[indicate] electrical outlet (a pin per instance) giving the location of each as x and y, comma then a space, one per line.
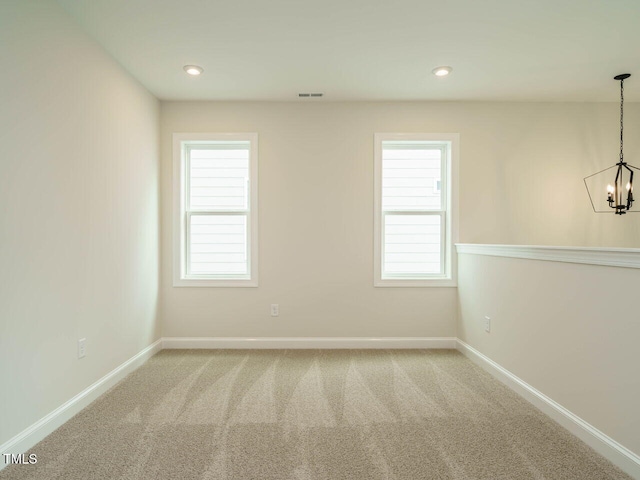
82, 350
487, 324
275, 309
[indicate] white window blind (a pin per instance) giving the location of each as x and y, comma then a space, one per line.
217, 208
412, 245
412, 208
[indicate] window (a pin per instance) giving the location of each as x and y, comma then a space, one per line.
415, 209
215, 210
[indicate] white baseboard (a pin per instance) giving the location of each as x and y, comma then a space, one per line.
617, 454
308, 342
38, 431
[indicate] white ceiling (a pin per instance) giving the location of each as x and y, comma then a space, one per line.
531, 50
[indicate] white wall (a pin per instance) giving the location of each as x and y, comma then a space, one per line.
521, 167
570, 331
522, 170
316, 229
78, 212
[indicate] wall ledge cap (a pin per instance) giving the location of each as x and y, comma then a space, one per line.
605, 256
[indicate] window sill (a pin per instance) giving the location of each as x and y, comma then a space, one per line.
188, 282
436, 282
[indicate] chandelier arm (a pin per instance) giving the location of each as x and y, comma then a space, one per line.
630, 191
589, 193
608, 168
617, 192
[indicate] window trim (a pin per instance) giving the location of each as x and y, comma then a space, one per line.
449, 279
179, 210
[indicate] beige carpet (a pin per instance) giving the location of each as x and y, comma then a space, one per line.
311, 414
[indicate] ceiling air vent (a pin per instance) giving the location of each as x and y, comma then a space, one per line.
307, 95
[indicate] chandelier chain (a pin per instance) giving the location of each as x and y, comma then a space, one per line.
621, 117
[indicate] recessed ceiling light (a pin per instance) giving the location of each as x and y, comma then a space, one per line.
442, 71
193, 69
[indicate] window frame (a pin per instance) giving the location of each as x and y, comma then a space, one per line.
448, 211
181, 216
